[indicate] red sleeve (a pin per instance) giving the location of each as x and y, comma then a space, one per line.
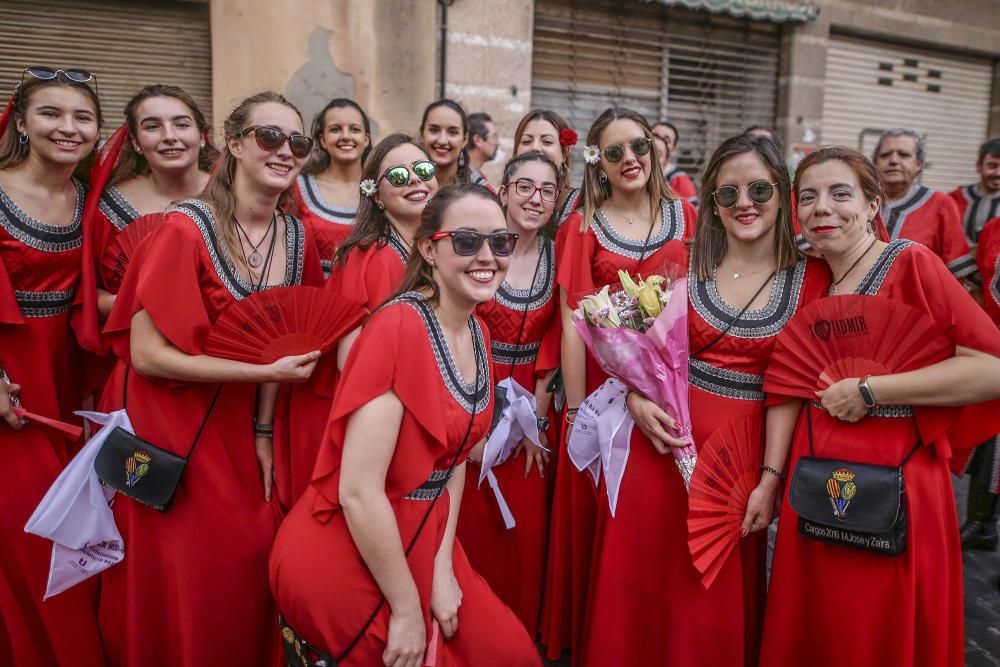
690, 218
10, 312
961, 203
312, 270
550, 346
369, 276
987, 258
575, 260
85, 318
683, 186
954, 245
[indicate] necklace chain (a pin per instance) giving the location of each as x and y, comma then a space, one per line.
833, 287
254, 259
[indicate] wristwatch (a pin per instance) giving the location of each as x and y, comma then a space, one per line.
866, 392
543, 423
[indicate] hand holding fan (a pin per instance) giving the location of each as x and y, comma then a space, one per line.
122, 247
728, 471
282, 321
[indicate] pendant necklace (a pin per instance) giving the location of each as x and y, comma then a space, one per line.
254, 259
739, 274
833, 287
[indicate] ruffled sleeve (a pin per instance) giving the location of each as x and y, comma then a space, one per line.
550, 346
690, 217
368, 276
575, 260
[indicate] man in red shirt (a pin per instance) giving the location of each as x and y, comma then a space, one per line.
678, 179
914, 211
979, 202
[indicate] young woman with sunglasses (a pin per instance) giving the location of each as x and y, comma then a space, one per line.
545, 131
326, 194
746, 279
368, 266
51, 123
629, 220
366, 568
444, 131
913, 609
195, 578
523, 320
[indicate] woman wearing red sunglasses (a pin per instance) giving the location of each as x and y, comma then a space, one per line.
51, 123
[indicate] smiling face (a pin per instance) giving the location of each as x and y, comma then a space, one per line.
632, 172
747, 221
989, 174
529, 214
61, 124
897, 163
833, 210
407, 202
443, 135
344, 136
274, 171
541, 136
167, 134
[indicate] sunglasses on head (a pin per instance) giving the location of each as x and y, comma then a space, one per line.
527, 189
760, 192
614, 153
73, 75
399, 175
466, 242
271, 138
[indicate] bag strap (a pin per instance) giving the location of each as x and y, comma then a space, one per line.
732, 323
812, 451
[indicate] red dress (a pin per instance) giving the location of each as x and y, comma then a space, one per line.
975, 209
513, 561
192, 589
988, 260
931, 218
681, 184
329, 224
588, 260
323, 587
39, 269
826, 602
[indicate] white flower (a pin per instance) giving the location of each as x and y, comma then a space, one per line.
368, 187
599, 310
591, 154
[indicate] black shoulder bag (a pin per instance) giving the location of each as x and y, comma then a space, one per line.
857, 505
139, 469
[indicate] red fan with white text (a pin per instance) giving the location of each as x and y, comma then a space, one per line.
728, 470
122, 247
282, 321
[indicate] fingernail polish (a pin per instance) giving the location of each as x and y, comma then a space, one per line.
743, 532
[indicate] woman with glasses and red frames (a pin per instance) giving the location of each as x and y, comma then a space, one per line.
193, 588
545, 131
523, 321
366, 569
746, 279
326, 194
444, 131
51, 123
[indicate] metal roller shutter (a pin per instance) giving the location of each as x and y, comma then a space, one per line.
872, 86
710, 75
127, 45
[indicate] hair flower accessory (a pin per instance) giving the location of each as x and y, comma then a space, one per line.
591, 154
567, 137
368, 187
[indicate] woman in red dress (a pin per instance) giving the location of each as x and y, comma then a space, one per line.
192, 589
326, 194
366, 567
523, 321
827, 601
51, 125
444, 131
368, 268
629, 221
544, 131
648, 604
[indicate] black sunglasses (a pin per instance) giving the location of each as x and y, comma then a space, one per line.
466, 242
760, 192
72, 75
271, 138
399, 175
615, 152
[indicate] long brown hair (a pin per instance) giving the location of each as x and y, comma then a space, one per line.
560, 124
710, 241
219, 191
595, 191
131, 163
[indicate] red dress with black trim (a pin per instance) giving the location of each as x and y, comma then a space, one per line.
39, 270
827, 601
588, 260
681, 184
329, 224
975, 209
513, 561
988, 260
192, 589
323, 588
931, 218
647, 602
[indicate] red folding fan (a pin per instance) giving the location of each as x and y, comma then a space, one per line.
282, 321
69, 431
122, 247
851, 336
728, 470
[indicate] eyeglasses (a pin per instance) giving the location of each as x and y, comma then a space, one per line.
271, 138
760, 192
466, 242
527, 189
400, 174
44, 73
615, 152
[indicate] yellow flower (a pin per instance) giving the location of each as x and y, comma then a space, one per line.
649, 299
627, 283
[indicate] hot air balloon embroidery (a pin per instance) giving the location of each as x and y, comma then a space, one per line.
841, 489
136, 467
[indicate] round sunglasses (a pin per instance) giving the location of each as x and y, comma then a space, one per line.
43, 73
466, 242
760, 192
271, 138
614, 153
399, 175
526, 189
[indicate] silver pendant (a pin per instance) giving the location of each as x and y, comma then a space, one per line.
255, 259
736, 276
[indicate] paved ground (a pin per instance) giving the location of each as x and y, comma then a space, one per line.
982, 601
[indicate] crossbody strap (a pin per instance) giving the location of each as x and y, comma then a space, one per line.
812, 451
524, 314
739, 316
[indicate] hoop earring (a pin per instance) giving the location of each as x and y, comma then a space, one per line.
23, 139
603, 177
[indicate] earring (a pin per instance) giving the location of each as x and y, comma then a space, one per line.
23, 139
431, 262
603, 177
461, 159
716, 212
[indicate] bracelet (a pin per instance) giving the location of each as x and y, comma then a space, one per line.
774, 471
263, 430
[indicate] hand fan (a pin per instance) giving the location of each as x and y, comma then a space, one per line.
69, 431
851, 336
282, 321
122, 247
728, 470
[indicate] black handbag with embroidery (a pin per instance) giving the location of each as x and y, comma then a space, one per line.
850, 504
139, 469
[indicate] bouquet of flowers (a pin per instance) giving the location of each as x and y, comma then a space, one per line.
637, 332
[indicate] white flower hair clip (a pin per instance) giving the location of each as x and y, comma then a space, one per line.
591, 154
368, 187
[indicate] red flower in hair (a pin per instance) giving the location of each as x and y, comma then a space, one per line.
567, 137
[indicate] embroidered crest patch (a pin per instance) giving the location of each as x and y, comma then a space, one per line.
841, 489
136, 467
